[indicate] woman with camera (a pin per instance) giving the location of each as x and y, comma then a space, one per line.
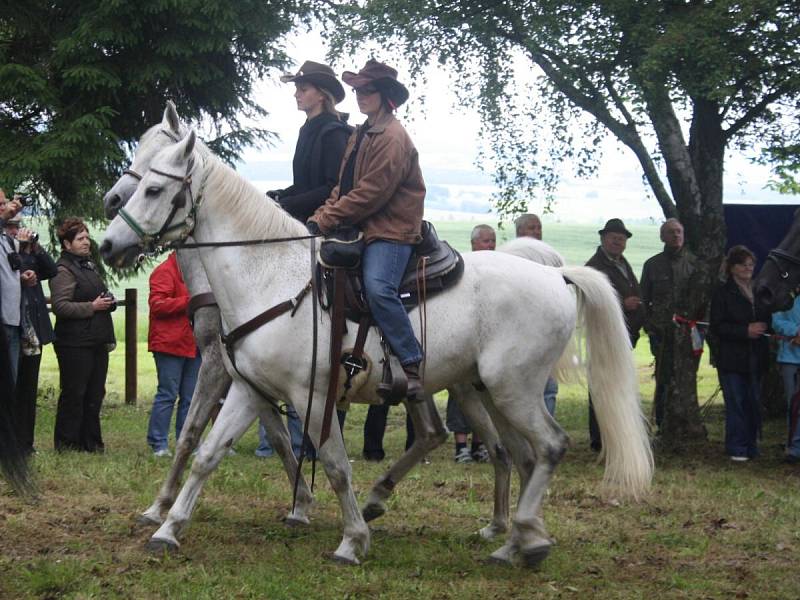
35, 327
84, 337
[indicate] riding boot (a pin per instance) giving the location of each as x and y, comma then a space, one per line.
415, 392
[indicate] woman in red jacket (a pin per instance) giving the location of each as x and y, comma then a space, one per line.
177, 359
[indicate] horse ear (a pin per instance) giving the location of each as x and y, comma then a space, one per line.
189, 141
171, 119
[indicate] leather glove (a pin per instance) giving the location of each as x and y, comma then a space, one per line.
313, 228
274, 194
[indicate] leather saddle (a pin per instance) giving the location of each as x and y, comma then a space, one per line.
434, 267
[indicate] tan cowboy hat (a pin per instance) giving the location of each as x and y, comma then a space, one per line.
382, 76
319, 75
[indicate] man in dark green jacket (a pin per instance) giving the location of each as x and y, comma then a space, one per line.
609, 260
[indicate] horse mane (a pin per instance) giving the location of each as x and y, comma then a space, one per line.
254, 215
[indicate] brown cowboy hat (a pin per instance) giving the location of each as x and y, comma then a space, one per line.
615, 226
382, 76
319, 75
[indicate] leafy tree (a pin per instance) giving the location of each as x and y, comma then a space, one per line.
80, 80
678, 82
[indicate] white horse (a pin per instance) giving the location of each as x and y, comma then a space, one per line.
483, 332
214, 380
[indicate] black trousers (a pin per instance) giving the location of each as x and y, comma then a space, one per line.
25, 400
82, 373
375, 427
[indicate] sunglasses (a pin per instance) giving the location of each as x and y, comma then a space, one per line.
366, 90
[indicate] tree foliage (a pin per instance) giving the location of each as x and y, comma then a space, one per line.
80, 80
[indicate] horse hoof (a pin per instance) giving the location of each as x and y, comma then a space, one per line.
144, 520
350, 561
295, 521
161, 546
372, 512
490, 532
532, 557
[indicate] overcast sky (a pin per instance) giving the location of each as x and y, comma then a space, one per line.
448, 138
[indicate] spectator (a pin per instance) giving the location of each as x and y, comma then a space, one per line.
742, 352
174, 349
610, 261
483, 237
788, 324
666, 279
12, 279
84, 337
36, 330
530, 225
7, 375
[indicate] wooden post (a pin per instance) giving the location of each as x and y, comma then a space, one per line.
131, 311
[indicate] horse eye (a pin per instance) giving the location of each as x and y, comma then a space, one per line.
153, 190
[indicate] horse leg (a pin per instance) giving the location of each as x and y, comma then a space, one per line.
469, 400
237, 414
548, 441
429, 433
281, 442
212, 383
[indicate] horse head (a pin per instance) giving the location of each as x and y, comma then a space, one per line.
162, 207
779, 279
168, 132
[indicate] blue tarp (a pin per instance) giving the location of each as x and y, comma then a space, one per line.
760, 227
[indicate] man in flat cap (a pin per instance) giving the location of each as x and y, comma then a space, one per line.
609, 260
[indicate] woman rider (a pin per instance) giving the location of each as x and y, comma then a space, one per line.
320, 144
315, 167
381, 190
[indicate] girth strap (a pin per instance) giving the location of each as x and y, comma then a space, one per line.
199, 301
337, 332
265, 317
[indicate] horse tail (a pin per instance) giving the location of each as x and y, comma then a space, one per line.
13, 462
613, 383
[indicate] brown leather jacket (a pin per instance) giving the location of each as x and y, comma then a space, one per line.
388, 190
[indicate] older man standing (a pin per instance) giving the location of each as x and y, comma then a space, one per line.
609, 260
666, 278
530, 225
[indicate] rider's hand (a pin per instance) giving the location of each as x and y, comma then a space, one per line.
313, 228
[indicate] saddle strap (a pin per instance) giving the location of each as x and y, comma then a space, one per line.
337, 333
199, 301
265, 317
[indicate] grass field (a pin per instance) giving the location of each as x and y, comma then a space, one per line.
709, 528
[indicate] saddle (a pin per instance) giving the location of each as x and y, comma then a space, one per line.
434, 267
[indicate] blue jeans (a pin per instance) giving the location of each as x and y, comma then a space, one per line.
742, 412
13, 334
177, 376
265, 449
383, 265
550, 393
791, 384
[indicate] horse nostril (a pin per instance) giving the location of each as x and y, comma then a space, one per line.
113, 204
105, 249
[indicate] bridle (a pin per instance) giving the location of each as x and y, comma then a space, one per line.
778, 257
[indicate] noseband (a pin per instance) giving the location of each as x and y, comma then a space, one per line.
777, 256
152, 240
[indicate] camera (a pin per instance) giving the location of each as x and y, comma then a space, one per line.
25, 200
110, 296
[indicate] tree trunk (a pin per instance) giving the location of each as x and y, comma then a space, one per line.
682, 422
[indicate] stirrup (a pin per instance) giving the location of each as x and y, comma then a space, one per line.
394, 384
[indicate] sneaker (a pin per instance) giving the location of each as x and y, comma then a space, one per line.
164, 453
740, 458
463, 456
264, 453
481, 455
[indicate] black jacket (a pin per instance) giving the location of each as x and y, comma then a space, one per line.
73, 289
731, 313
625, 287
317, 158
33, 297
